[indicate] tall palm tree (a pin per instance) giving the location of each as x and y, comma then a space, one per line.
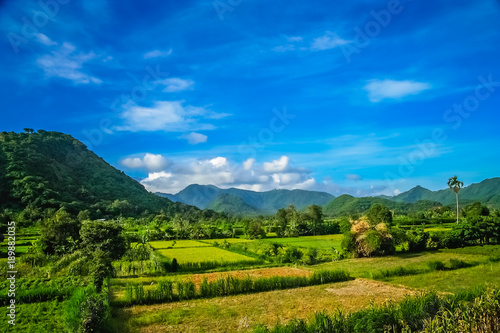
456, 185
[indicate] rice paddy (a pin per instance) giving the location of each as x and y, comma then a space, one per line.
203, 254
318, 242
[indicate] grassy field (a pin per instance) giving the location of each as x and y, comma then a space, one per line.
243, 312
362, 266
44, 317
452, 281
319, 242
203, 253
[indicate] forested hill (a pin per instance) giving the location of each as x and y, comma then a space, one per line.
41, 171
487, 192
347, 205
210, 196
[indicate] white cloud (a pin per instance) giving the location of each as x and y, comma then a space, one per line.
277, 165
157, 54
170, 116
194, 138
219, 162
247, 165
176, 84
221, 172
44, 39
379, 90
67, 63
328, 41
149, 162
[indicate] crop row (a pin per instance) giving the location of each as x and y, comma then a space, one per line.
169, 291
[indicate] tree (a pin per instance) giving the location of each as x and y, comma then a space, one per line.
105, 236
315, 215
379, 214
456, 185
59, 232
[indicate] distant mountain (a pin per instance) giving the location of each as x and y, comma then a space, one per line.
49, 170
348, 205
415, 194
233, 205
487, 192
203, 196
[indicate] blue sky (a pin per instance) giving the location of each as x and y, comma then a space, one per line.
365, 98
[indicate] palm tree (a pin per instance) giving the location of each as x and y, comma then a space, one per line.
456, 185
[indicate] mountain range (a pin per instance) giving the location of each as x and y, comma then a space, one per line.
251, 202
244, 202
41, 171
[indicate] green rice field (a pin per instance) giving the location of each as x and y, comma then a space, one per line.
319, 242
202, 254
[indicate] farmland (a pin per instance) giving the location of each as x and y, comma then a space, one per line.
318, 242
244, 312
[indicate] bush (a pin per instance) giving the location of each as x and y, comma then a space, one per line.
457, 264
417, 240
436, 265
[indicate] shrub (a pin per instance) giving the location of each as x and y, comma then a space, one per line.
417, 240
457, 264
436, 265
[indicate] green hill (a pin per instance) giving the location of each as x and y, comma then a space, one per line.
232, 205
49, 170
348, 205
487, 192
268, 202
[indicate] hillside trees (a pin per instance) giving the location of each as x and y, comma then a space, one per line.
43, 171
59, 233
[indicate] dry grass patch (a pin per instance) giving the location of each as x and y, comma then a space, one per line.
243, 312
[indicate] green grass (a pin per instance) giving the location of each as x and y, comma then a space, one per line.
318, 242
35, 318
418, 261
202, 254
452, 281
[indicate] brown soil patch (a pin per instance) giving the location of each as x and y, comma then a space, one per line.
253, 273
371, 288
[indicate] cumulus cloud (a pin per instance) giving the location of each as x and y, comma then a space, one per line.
222, 172
176, 84
194, 138
67, 63
328, 41
157, 54
379, 90
277, 165
149, 162
170, 116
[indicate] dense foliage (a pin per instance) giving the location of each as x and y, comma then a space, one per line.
41, 172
